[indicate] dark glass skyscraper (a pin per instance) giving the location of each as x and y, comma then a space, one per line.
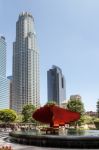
4, 95
56, 85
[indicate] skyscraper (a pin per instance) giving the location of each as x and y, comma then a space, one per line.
4, 95
26, 88
56, 85
10, 79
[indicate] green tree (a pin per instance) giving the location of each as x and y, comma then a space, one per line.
85, 119
7, 115
27, 113
51, 103
19, 118
96, 119
76, 105
97, 106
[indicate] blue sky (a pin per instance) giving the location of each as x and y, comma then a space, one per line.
68, 36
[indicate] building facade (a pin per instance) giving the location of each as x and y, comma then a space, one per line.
75, 97
64, 104
10, 81
56, 85
26, 88
4, 95
92, 113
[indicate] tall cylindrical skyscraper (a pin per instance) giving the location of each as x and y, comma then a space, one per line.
26, 89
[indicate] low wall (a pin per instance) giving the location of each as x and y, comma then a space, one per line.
56, 141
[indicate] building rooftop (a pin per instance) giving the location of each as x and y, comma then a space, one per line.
2, 37
10, 77
25, 14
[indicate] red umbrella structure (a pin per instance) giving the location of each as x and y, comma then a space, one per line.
55, 115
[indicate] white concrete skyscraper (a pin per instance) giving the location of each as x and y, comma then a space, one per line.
26, 88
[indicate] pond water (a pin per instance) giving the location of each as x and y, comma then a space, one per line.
66, 132
67, 138
83, 132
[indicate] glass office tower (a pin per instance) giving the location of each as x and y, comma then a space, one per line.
26, 88
10, 81
56, 85
4, 95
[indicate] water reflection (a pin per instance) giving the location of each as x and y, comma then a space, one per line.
63, 132
74, 132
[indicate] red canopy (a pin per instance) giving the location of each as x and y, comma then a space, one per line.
54, 115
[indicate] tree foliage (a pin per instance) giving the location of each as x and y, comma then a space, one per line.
85, 119
51, 103
7, 115
19, 118
76, 105
27, 112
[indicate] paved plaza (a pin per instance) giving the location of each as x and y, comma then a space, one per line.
4, 141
